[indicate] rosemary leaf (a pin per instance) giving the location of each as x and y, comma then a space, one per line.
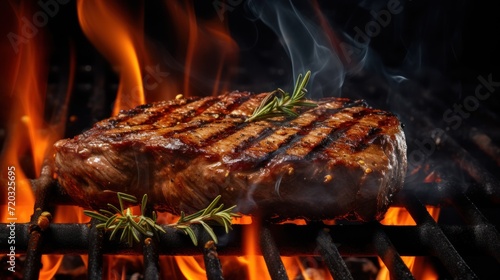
189, 231
115, 230
288, 111
106, 212
95, 215
227, 227
193, 216
125, 233
112, 207
136, 226
127, 197
210, 231
211, 206
151, 223
135, 235
281, 103
110, 221
144, 203
159, 228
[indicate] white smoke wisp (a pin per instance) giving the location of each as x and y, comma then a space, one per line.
305, 42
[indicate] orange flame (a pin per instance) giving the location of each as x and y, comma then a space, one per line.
417, 265
29, 135
210, 50
21, 72
191, 267
116, 36
255, 264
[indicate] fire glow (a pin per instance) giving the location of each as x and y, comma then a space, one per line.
120, 38
27, 74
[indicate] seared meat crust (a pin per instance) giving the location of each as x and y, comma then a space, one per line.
340, 159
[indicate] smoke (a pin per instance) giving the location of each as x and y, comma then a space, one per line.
306, 43
394, 39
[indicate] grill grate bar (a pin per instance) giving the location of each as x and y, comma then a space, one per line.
489, 185
213, 266
291, 240
95, 254
151, 259
33, 256
485, 233
390, 256
331, 256
436, 241
38, 224
271, 254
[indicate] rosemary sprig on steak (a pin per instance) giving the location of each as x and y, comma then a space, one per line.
131, 226
281, 103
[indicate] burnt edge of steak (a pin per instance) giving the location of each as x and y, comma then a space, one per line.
340, 159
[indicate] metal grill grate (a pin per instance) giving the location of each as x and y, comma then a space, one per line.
451, 245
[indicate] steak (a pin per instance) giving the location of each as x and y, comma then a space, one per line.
340, 159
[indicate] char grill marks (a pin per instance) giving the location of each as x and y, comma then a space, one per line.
215, 126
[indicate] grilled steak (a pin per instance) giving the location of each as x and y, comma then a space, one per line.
340, 159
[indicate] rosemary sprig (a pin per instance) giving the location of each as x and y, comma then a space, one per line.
129, 227
213, 214
281, 103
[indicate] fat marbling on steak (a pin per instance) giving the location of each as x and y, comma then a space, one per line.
340, 159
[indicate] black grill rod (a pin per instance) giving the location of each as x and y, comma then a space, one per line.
436, 241
271, 254
95, 253
33, 257
490, 186
213, 267
39, 221
485, 233
150, 251
390, 256
151, 258
356, 240
331, 256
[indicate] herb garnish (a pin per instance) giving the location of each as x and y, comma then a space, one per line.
131, 226
280, 103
